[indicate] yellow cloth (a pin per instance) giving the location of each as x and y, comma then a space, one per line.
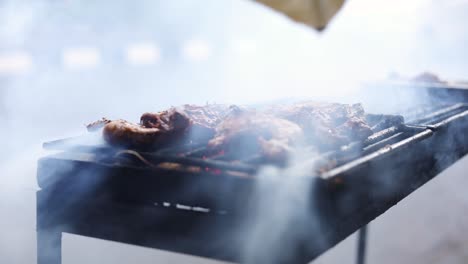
315, 13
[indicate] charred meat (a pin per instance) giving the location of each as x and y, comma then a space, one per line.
242, 132
185, 123
327, 125
122, 133
248, 132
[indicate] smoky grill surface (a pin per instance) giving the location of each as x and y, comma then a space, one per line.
197, 195
239, 134
324, 125
199, 158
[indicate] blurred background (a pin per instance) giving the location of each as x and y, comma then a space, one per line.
66, 63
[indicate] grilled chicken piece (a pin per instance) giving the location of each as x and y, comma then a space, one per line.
186, 123
129, 135
245, 133
327, 125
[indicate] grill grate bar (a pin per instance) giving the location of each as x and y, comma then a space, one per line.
440, 114
376, 137
398, 146
379, 154
382, 143
182, 149
450, 119
212, 164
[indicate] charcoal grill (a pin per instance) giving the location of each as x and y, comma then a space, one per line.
178, 200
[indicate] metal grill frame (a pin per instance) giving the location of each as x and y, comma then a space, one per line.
206, 221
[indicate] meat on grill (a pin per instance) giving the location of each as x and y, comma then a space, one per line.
186, 123
244, 132
379, 122
327, 125
427, 77
126, 134
247, 132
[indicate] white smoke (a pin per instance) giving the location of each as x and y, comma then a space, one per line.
283, 214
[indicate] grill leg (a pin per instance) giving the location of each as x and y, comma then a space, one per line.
361, 246
49, 247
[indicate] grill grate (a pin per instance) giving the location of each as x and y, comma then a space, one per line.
383, 142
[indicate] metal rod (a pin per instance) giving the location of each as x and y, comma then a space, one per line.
387, 141
442, 113
361, 245
154, 158
376, 137
379, 154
